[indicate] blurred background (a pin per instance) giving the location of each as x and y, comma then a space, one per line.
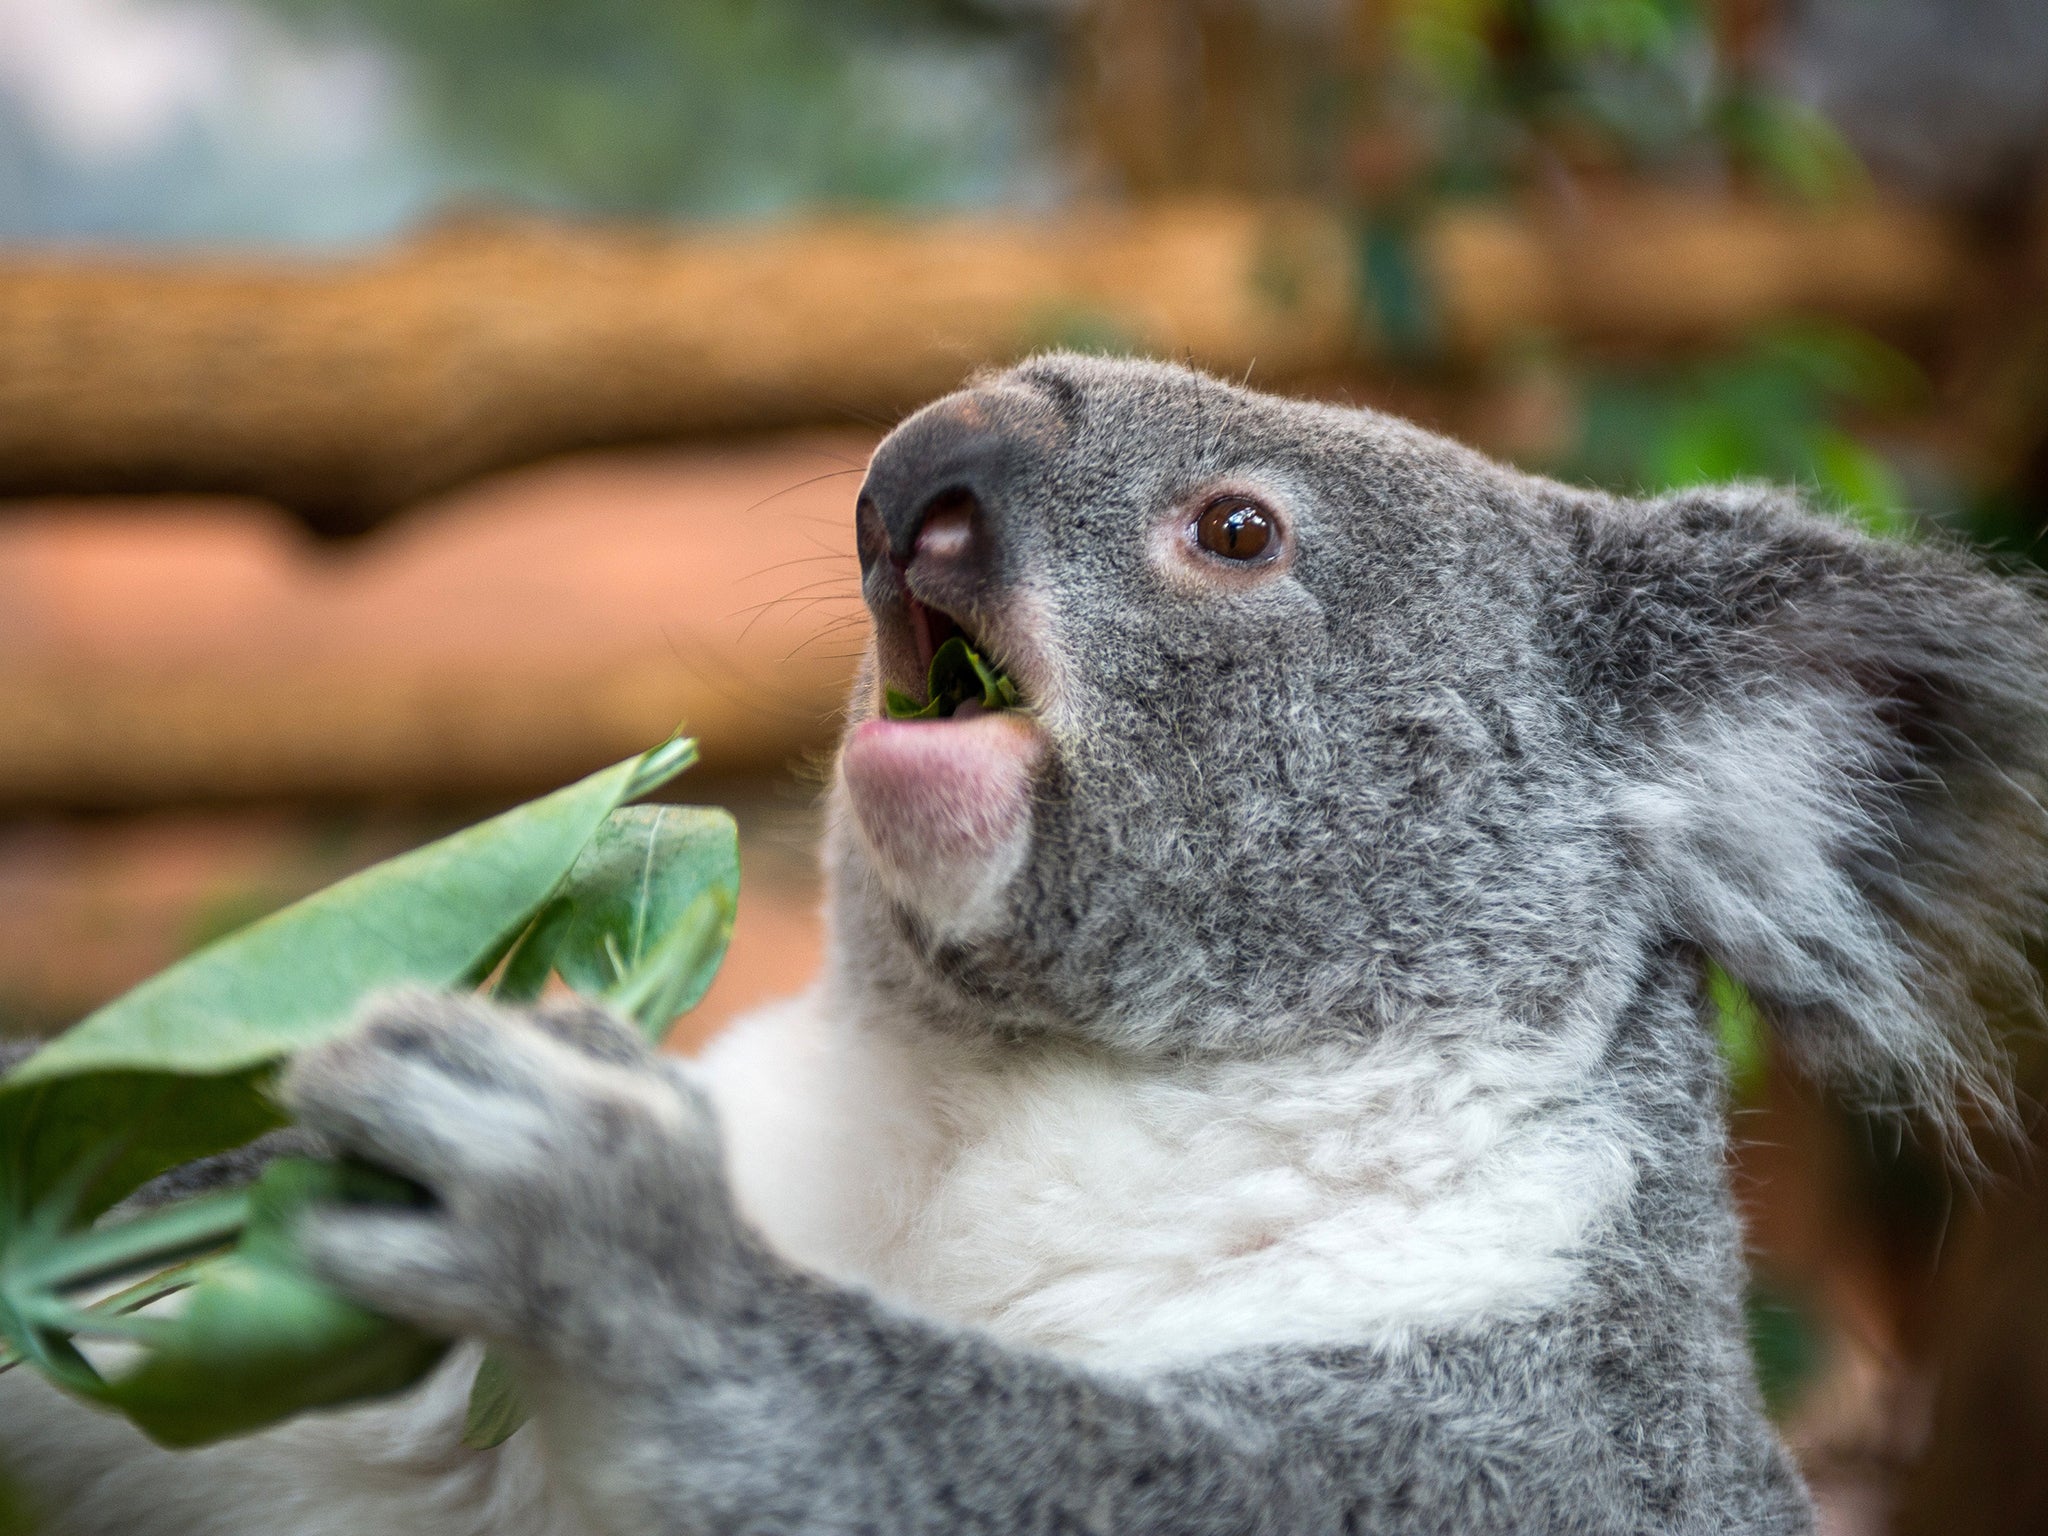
406, 405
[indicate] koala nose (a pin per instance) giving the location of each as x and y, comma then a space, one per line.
946, 520
936, 498
952, 526
951, 560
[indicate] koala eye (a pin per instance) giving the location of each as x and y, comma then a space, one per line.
1236, 528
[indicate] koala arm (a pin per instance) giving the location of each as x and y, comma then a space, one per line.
820, 1409
684, 1377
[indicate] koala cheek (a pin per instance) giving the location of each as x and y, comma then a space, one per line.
943, 810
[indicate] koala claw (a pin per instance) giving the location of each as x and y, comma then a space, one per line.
565, 1158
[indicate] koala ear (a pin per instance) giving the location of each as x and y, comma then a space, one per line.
1832, 753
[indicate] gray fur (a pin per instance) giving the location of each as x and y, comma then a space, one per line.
1416, 774
691, 1380
1494, 756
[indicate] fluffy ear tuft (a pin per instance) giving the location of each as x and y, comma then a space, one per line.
1832, 750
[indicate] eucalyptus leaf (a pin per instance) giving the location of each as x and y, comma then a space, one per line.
176, 1068
258, 1338
668, 981
642, 922
46, 1261
43, 1255
651, 903
532, 960
495, 1411
631, 904
901, 706
1742, 1033
957, 675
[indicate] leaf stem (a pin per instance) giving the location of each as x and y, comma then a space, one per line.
143, 1293
661, 764
167, 1236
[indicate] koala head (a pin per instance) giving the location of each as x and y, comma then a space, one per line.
1331, 727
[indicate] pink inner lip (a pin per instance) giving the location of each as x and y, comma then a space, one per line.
931, 793
931, 628
943, 540
921, 631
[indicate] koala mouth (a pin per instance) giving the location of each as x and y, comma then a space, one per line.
946, 812
961, 678
932, 627
943, 801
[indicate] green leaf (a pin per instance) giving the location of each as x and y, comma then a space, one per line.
1394, 288
1865, 486
632, 904
651, 903
902, 706
1787, 1342
1742, 1035
532, 960
44, 1256
260, 1339
176, 1069
1792, 144
956, 676
495, 1411
17, 1515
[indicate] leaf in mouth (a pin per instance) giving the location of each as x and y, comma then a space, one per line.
958, 676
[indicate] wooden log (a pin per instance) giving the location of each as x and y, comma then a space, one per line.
348, 389
530, 629
1661, 268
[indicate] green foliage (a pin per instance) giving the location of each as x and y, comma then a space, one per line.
47, 1255
659, 106
957, 676
1769, 411
1394, 283
1501, 83
181, 1060
1785, 1342
494, 1407
631, 904
1788, 143
1740, 1029
258, 1339
16, 1516
642, 919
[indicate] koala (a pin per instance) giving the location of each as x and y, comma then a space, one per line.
1262, 1084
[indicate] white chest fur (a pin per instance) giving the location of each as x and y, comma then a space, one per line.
1138, 1216
1132, 1217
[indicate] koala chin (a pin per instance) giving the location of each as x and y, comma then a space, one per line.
942, 812
1264, 1082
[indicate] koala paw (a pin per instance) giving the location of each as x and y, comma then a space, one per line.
575, 1174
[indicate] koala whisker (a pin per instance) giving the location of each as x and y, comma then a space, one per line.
804, 484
